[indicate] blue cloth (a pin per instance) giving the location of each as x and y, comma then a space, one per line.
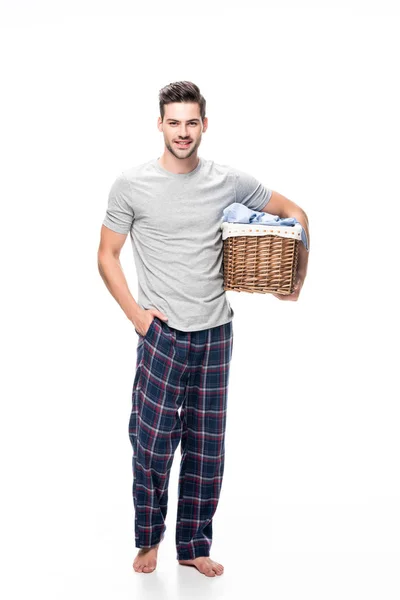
239, 213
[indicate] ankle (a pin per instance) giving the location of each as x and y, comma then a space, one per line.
147, 548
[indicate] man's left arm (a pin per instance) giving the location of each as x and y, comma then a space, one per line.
283, 207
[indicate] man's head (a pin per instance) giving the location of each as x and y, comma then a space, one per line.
182, 110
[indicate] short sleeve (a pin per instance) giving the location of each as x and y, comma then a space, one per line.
250, 192
120, 214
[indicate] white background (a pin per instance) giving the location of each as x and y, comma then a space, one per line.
302, 95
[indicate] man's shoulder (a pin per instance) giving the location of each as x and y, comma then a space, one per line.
217, 168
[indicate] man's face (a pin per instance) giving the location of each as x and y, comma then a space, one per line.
182, 122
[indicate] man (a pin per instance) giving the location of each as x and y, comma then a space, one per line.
173, 207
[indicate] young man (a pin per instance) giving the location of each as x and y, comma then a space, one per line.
172, 207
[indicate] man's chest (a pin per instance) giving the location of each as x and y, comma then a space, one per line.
176, 209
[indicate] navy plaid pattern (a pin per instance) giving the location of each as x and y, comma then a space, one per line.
187, 370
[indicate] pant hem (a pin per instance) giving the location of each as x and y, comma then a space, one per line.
186, 555
153, 542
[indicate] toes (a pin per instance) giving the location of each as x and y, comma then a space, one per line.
143, 568
207, 569
218, 568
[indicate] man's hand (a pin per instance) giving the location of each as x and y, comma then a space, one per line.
298, 284
144, 318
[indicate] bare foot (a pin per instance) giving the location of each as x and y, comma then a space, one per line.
146, 560
205, 565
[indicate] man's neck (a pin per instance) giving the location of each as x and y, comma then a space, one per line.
177, 166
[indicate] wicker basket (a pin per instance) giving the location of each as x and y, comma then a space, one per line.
260, 258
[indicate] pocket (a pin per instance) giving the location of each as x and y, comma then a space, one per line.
150, 328
148, 331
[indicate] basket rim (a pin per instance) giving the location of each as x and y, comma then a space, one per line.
240, 229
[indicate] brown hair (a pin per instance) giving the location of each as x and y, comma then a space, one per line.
181, 91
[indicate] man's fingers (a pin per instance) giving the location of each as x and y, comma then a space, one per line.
288, 297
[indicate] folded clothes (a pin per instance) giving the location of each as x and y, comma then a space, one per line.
239, 213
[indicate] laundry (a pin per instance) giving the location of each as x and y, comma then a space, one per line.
239, 213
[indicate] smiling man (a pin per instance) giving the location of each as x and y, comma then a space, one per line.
172, 207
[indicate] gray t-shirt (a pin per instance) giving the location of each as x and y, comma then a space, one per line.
174, 223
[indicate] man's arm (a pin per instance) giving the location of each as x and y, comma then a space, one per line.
283, 207
111, 271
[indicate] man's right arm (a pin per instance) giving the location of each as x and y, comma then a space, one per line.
111, 271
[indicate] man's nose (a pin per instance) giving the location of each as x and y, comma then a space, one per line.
183, 132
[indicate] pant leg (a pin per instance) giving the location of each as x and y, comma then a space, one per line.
154, 429
203, 417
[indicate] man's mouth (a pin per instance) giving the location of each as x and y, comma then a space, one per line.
183, 144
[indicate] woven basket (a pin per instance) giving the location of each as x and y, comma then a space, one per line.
260, 258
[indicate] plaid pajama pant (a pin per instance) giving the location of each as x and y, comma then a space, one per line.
187, 370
